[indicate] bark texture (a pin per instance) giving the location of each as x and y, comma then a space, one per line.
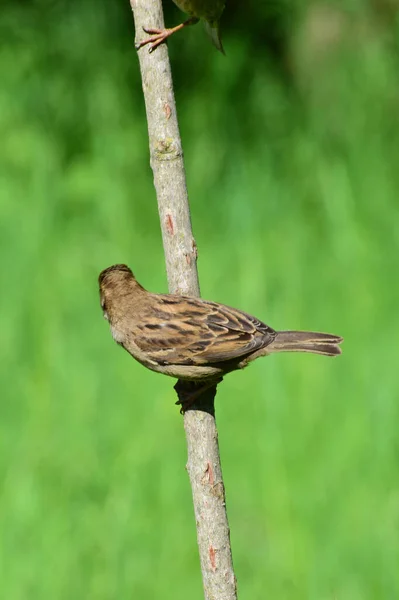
166, 157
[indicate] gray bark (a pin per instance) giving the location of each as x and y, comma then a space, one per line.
166, 158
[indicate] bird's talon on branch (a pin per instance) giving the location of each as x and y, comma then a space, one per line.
152, 31
158, 36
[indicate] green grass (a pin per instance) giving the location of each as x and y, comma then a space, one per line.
294, 194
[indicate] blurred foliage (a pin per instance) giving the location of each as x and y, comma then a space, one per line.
291, 152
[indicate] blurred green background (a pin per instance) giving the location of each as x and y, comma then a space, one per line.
291, 146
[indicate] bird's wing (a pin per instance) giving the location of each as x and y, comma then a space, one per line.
186, 331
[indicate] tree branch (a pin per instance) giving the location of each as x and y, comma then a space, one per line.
166, 157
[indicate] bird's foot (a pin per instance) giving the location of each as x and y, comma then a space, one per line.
189, 392
158, 36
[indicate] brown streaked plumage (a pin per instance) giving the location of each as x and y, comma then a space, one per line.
193, 339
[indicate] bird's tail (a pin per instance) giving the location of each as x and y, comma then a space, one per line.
212, 29
306, 341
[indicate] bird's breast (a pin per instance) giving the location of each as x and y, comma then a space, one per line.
117, 334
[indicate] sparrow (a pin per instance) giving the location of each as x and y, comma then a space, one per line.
209, 11
193, 339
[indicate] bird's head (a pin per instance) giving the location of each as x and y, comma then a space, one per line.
116, 282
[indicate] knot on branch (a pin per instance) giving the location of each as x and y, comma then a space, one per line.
167, 149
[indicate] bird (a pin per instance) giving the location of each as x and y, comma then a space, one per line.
192, 339
209, 11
